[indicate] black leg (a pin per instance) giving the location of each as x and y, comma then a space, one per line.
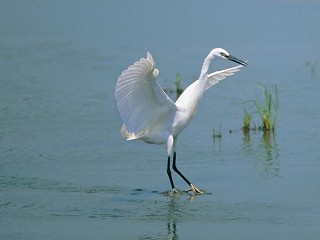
174, 167
169, 173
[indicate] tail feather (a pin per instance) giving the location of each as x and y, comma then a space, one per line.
128, 135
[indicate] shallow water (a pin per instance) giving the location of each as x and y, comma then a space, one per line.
64, 171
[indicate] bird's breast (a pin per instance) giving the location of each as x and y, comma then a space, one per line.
181, 120
187, 105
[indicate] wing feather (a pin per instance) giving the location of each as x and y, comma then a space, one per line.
215, 77
142, 103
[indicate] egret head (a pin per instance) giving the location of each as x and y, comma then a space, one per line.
221, 53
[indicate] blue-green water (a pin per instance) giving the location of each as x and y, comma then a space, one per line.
64, 171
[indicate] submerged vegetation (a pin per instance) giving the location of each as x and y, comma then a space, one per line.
178, 89
177, 82
313, 66
217, 134
267, 110
246, 120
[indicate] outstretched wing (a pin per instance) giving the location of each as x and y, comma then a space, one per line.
142, 103
217, 76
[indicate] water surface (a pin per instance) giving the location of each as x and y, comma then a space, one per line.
64, 171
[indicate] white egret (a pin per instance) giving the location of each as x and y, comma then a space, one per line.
150, 115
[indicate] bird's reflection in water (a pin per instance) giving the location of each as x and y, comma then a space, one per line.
177, 211
172, 231
173, 215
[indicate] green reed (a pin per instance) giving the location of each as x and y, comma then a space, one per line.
246, 120
268, 109
177, 82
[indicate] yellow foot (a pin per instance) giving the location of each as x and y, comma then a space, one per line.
195, 190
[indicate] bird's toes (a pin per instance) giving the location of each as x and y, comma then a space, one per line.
195, 190
173, 192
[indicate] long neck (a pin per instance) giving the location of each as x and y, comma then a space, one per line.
191, 96
205, 66
189, 100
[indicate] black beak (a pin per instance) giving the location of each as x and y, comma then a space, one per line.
234, 59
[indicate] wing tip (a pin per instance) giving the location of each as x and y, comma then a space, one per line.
150, 58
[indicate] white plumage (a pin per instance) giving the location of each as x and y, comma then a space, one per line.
149, 114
